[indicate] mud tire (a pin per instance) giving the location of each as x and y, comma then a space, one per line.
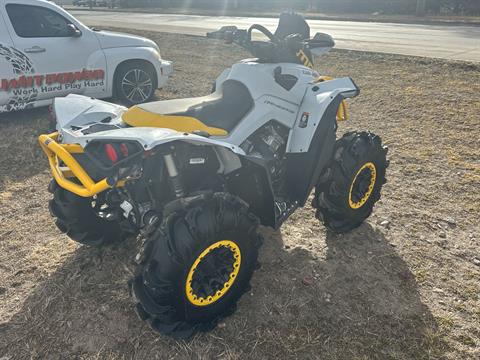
190, 226
332, 193
75, 217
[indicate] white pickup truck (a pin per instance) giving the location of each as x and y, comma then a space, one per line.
46, 53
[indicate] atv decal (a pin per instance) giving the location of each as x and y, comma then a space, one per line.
20, 64
304, 59
304, 120
268, 102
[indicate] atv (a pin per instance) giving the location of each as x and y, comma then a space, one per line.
193, 178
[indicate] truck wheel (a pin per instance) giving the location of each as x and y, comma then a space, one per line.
80, 218
196, 266
350, 187
135, 83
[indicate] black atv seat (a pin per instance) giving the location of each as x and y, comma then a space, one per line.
220, 110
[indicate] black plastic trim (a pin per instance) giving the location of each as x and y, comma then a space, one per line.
304, 169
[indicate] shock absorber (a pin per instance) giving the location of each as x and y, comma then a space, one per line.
175, 179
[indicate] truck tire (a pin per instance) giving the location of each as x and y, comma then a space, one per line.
196, 266
351, 185
75, 216
135, 82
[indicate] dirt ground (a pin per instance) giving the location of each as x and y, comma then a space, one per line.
405, 285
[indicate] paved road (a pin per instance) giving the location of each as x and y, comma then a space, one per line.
448, 42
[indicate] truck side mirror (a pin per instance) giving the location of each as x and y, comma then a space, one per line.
73, 31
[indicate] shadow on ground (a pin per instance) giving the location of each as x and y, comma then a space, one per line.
356, 300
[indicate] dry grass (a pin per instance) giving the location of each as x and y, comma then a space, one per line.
406, 290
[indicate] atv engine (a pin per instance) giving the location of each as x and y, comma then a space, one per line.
269, 143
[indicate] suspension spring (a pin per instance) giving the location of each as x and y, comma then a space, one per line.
175, 179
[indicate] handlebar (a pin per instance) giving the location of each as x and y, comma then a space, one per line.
293, 47
231, 34
263, 30
241, 37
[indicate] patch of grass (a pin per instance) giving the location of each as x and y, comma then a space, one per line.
466, 340
421, 275
445, 322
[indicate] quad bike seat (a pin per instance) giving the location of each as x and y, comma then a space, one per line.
215, 114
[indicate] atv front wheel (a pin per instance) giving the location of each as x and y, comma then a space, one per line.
77, 217
196, 266
350, 187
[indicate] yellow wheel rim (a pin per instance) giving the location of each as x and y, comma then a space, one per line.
192, 296
356, 204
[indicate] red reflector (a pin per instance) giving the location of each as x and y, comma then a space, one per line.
124, 149
111, 153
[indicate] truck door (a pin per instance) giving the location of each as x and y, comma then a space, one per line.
66, 55
10, 65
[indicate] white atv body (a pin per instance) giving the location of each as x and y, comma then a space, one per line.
302, 110
194, 177
76, 114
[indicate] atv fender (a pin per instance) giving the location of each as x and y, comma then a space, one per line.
312, 140
150, 138
79, 110
318, 98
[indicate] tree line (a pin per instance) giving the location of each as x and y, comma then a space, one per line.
435, 7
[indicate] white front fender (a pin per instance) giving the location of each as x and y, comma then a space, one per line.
317, 100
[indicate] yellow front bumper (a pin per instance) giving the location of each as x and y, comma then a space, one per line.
63, 152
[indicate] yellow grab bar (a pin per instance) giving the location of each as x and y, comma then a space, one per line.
55, 151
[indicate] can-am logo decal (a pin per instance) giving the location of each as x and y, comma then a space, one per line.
30, 81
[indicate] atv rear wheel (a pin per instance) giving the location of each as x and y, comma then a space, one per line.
76, 217
196, 266
350, 187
